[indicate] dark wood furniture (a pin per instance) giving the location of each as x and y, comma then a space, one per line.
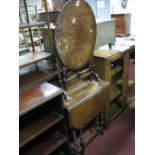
46, 71
31, 58
30, 72
86, 95
32, 78
42, 126
112, 66
36, 30
122, 24
88, 98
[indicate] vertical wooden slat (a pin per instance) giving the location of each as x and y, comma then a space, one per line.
30, 31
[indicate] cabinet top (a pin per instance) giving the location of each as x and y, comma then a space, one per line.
105, 53
37, 96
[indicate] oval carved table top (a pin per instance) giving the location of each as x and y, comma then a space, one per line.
75, 34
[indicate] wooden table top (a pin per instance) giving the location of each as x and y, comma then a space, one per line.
81, 91
37, 96
75, 34
31, 58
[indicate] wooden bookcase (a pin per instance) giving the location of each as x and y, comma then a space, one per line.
39, 57
42, 128
112, 66
30, 74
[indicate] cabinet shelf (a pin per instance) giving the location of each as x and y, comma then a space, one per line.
115, 70
37, 96
114, 112
32, 57
115, 92
48, 145
30, 25
41, 119
119, 82
38, 126
28, 80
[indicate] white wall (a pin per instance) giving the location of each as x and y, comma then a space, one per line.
115, 7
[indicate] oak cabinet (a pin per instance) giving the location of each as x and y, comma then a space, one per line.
112, 66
